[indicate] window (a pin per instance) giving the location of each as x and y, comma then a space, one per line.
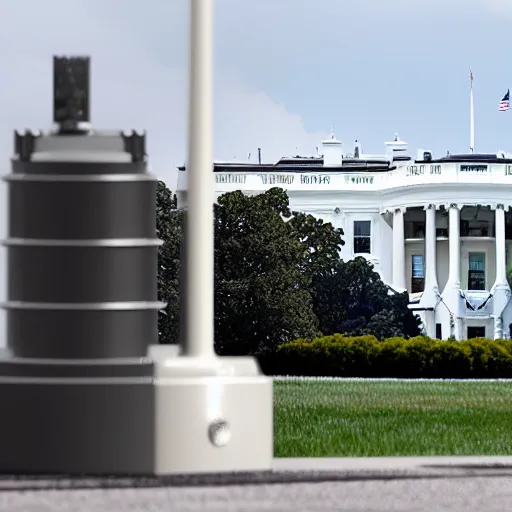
476, 332
476, 271
362, 236
418, 230
474, 228
439, 331
418, 274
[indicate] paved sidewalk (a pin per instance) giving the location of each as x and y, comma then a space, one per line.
462, 484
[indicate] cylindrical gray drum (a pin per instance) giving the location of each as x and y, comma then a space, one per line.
82, 248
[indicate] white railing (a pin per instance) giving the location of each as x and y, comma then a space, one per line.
409, 175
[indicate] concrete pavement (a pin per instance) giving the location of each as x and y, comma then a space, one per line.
414, 484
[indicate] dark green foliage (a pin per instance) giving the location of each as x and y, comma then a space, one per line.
264, 259
352, 299
278, 277
169, 223
321, 243
418, 357
262, 294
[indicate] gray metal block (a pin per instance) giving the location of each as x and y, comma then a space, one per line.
77, 426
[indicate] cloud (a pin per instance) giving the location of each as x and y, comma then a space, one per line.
255, 120
139, 66
139, 79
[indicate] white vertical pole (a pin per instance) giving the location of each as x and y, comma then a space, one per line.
501, 266
430, 248
198, 339
399, 283
454, 245
471, 117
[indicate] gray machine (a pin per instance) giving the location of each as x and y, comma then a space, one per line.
84, 385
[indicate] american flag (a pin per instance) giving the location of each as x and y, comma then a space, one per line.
505, 102
471, 75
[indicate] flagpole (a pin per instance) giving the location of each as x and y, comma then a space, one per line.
471, 116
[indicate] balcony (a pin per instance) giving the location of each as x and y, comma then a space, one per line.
479, 229
415, 231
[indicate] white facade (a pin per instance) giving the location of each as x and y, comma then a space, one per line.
433, 227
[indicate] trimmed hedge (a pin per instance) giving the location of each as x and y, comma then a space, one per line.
365, 356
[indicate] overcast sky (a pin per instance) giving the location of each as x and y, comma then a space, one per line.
286, 71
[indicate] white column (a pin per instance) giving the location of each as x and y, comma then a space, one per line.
501, 265
398, 250
430, 249
431, 291
451, 292
501, 288
454, 246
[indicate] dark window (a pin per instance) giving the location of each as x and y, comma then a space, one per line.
362, 236
439, 331
476, 271
418, 273
476, 332
464, 227
508, 228
418, 230
474, 228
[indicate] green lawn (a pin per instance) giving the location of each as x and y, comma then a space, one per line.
370, 418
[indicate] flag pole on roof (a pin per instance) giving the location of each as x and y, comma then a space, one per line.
471, 116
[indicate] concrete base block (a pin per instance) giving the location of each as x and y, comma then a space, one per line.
168, 414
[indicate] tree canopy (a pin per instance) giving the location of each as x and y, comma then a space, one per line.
321, 243
278, 277
169, 228
354, 300
261, 291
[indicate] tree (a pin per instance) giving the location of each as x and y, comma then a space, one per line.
408, 321
169, 227
321, 244
278, 277
262, 294
354, 300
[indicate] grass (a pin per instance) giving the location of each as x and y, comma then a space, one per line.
370, 418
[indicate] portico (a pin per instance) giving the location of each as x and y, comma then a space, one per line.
474, 288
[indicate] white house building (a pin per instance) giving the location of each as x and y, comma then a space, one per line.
439, 228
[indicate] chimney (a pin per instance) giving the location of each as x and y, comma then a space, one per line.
332, 151
357, 150
397, 147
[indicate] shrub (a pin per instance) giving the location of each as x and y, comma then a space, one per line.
365, 356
